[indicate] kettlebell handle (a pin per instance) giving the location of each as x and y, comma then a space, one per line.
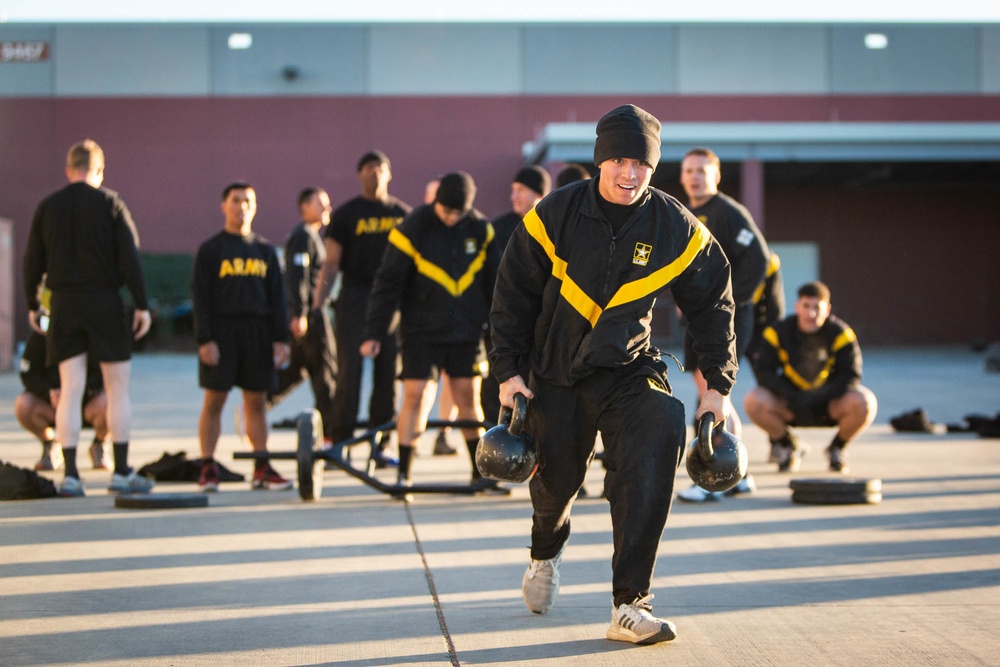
705, 426
514, 418
519, 414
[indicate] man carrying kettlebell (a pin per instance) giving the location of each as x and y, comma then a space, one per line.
573, 300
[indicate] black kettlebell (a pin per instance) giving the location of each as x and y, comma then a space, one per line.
716, 459
505, 453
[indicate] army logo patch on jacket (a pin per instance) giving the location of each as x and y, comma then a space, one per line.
641, 254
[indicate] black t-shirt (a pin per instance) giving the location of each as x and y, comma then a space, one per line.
361, 227
84, 239
304, 257
237, 276
617, 214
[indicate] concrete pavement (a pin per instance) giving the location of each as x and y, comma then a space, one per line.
355, 578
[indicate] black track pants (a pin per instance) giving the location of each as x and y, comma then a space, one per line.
642, 427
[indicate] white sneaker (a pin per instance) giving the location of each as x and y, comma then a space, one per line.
403, 482
71, 487
52, 457
777, 454
696, 494
101, 457
634, 623
540, 584
131, 483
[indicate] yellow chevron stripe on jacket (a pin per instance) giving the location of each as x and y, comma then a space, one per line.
846, 337
772, 267
627, 293
434, 272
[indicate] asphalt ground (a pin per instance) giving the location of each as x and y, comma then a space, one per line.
356, 578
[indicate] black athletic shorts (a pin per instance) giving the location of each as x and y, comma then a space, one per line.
91, 322
742, 325
458, 360
818, 415
246, 356
88, 395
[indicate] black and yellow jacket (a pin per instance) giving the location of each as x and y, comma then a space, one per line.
781, 360
440, 278
733, 227
573, 297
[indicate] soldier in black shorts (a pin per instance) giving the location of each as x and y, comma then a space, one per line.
85, 244
733, 227
355, 242
809, 374
313, 352
241, 324
35, 408
439, 267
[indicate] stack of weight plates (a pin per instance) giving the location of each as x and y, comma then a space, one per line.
836, 491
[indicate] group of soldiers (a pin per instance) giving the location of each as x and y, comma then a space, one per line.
413, 293
558, 293
269, 309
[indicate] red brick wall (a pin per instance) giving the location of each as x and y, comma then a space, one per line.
171, 157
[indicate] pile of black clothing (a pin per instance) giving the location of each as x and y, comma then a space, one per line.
178, 468
22, 484
914, 421
917, 421
986, 427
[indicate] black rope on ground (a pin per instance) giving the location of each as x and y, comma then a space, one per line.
452, 655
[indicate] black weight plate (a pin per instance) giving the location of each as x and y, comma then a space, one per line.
310, 469
815, 498
160, 501
859, 485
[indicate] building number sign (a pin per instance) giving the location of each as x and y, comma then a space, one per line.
23, 52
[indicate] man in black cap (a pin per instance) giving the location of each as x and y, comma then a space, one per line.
571, 173
438, 269
355, 241
529, 186
573, 301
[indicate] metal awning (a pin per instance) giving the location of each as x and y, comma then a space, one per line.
791, 142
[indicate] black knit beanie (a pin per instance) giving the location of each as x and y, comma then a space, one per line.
628, 132
536, 178
571, 173
456, 190
373, 156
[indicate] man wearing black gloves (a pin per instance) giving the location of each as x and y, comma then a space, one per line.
85, 244
439, 269
241, 325
573, 301
313, 352
809, 374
